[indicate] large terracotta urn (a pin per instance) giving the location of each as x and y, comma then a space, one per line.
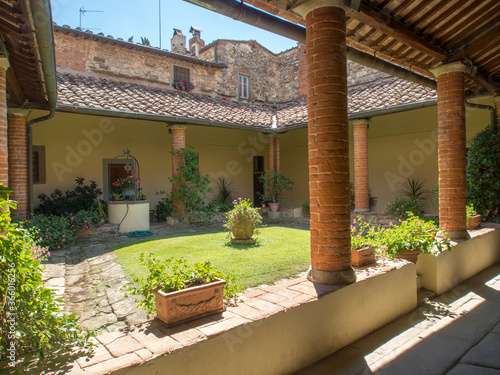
243, 227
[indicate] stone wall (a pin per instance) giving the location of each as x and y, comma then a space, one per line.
82, 53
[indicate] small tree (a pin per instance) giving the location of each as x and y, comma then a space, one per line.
189, 187
483, 173
275, 183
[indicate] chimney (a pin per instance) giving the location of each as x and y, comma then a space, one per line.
178, 42
195, 43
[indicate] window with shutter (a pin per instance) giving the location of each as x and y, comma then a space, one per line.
243, 86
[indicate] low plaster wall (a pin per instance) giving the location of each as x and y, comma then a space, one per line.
442, 272
137, 217
292, 339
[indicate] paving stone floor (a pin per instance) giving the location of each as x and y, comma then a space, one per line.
88, 277
457, 333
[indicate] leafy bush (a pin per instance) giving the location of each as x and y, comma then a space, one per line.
84, 220
189, 187
362, 234
402, 208
30, 320
169, 275
414, 189
412, 234
275, 183
82, 197
483, 173
226, 193
51, 231
164, 207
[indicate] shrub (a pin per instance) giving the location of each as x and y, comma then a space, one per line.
226, 192
402, 208
243, 207
275, 183
483, 173
84, 220
30, 320
189, 187
51, 231
169, 275
164, 207
82, 197
362, 234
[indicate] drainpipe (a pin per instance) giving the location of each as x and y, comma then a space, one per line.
42, 20
30, 154
493, 115
266, 21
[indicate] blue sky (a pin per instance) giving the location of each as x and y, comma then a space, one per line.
126, 18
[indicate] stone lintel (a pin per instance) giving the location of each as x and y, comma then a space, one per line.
304, 7
457, 66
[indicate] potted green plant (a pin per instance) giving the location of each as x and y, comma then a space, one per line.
275, 183
243, 221
178, 292
128, 185
362, 248
473, 219
116, 195
306, 209
410, 238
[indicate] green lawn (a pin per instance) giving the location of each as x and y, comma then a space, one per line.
280, 252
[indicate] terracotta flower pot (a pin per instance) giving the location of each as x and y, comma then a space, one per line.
474, 222
409, 255
191, 303
243, 227
274, 206
363, 257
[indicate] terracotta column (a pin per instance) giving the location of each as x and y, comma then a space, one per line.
4, 163
361, 186
274, 140
178, 142
328, 133
451, 149
18, 159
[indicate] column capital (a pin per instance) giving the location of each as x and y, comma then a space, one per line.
360, 121
4, 62
496, 99
19, 111
303, 7
177, 126
457, 66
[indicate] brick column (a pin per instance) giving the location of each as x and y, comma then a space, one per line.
274, 140
4, 163
18, 159
361, 186
178, 142
328, 133
451, 150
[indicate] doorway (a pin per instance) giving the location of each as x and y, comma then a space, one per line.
258, 186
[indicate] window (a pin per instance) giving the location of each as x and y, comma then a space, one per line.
243, 86
38, 164
181, 74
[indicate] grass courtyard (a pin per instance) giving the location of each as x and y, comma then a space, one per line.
280, 252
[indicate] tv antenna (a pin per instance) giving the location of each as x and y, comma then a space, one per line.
83, 11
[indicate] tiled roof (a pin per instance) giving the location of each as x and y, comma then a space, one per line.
99, 93
118, 96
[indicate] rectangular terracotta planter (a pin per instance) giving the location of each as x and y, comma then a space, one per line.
191, 303
363, 257
474, 222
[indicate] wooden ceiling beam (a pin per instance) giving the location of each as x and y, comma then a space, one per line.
13, 88
386, 24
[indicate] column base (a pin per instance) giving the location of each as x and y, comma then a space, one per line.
454, 235
331, 277
361, 210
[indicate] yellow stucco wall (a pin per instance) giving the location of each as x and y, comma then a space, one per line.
401, 145
76, 145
